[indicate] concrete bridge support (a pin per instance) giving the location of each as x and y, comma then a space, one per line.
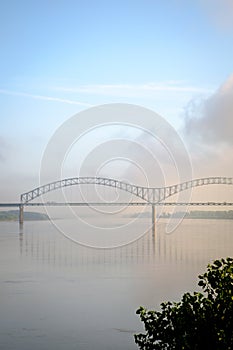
21, 214
153, 220
153, 215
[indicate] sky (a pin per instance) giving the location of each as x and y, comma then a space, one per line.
59, 58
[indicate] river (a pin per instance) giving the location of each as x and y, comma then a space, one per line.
57, 294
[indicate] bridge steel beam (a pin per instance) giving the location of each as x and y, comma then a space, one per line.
151, 195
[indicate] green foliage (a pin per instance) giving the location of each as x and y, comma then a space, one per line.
198, 321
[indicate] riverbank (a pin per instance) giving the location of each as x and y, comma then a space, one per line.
13, 215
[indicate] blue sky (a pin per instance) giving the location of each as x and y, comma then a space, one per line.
60, 57
115, 41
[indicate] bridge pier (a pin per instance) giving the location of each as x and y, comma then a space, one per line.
153, 215
21, 214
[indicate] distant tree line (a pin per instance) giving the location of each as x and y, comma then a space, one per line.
202, 214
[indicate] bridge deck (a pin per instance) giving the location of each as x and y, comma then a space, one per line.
88, 204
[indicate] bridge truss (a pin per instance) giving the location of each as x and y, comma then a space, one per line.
151, 195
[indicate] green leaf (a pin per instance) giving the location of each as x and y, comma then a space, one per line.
198, 321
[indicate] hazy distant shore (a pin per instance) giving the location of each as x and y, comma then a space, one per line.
194, 214
13, 215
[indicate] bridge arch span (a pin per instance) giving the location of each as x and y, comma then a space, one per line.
151, 195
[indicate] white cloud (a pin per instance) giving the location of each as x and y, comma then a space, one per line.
210, 121
209, 132
45, 98
135, 90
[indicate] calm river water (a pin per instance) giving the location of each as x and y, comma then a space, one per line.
56, 294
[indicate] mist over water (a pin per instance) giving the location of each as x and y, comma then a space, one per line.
57, 294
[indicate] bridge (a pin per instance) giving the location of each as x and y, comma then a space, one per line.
152, 196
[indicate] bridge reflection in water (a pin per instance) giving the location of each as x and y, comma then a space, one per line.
193, 242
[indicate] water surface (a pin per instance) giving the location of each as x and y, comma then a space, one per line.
56, 294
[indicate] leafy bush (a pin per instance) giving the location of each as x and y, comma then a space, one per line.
198, 321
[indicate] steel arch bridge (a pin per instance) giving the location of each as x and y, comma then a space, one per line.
151, 195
